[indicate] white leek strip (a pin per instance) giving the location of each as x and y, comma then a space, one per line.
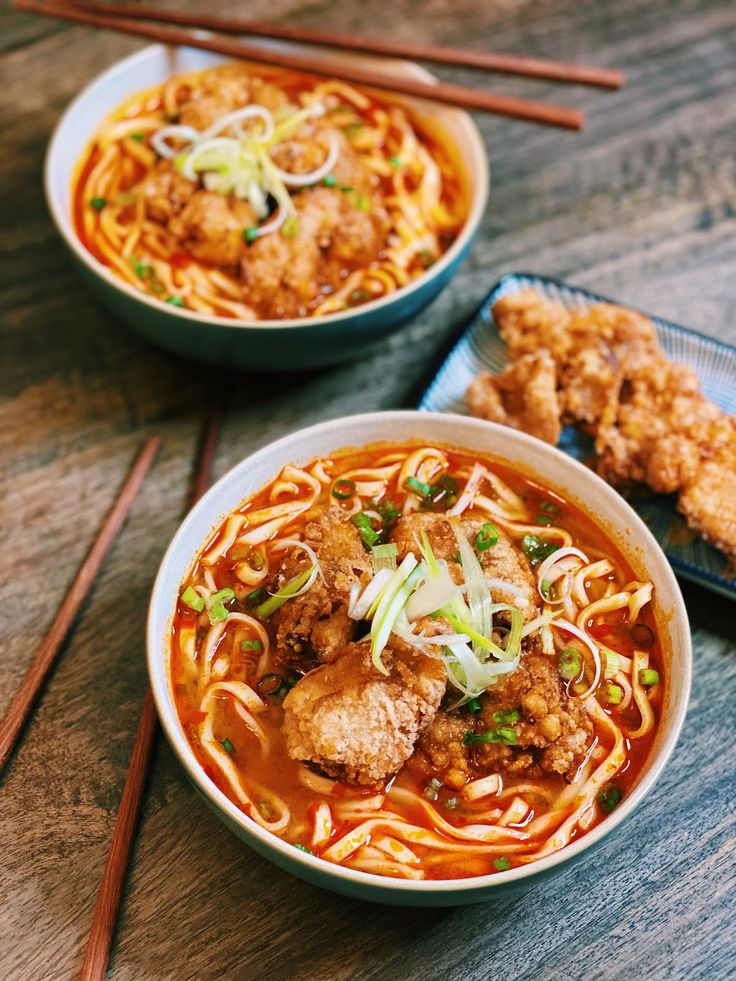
478, 594
537, 623
159, 140
223, 144
314, 176
392, 602
436, 592
447, 640
466, 673
469, 491
296, 543
238, 116
612, 664
561, 624
384, 556
360, 603
508, 587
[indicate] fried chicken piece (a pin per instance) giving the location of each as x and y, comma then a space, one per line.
216, 94
629, 336
210, 227
316, 623
553, 734
589, 379
165, 192
285, 274
354, 722
529, 322
501, 561
708, 500
523, 395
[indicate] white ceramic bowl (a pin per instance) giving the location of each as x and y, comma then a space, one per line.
530, 456
271, 344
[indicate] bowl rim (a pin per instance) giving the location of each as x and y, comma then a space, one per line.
477, 167
206, 513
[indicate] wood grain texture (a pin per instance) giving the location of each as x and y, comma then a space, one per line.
642, 206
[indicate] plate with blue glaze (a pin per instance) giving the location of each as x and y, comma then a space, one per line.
480, 348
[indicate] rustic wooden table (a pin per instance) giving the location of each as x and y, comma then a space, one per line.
642, 206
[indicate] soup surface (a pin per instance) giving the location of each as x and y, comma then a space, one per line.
412, 661
265, 195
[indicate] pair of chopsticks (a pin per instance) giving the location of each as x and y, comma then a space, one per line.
108, 899
168, 27
101, 932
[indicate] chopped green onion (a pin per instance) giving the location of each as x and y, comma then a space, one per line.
536, 549
141, 270
613, 664
255, 596
609, 797
419, 487
227, 745
191, 598
346, 189
256, 559
426, 256
216, 605
394, 161
343, 489
545, 587
363, 202
570, 664
432, 790
329, 180
503, 734
250, 234
549, 507
303, 848
98, 203
388, 511
251, 645
486, 537
270, 684
473, 705
368, 533
508, 717
384, 557
451, 803
614, 694
286, 592
175, 301
265, 809
291, 227
502, 864
444, 491
648, 676
138, 137
544, 519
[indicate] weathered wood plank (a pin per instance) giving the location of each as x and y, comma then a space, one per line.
641, 205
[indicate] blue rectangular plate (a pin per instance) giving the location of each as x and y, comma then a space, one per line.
480, 348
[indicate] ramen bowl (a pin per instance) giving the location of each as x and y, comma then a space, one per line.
530, 458
268, 344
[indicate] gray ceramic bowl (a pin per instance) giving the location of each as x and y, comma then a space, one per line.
530, 456
270, 344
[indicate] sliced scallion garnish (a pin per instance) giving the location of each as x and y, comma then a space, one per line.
486, 537
275, 602
648, 677
418, 487
343, 489
216, 604
508, 717
191, 598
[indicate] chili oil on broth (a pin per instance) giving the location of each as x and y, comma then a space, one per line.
407, 175
234, 728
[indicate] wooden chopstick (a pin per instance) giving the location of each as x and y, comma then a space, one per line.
558, 71
456, 95
21, 705
97, 953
